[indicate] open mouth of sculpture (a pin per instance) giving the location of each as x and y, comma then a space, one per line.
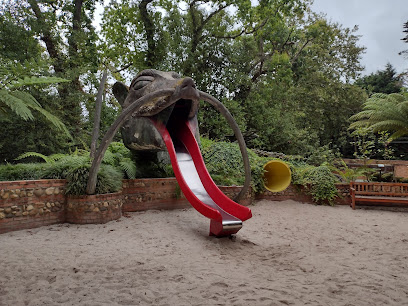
180, 111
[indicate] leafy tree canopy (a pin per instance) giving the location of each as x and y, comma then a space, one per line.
285, 72
383, 81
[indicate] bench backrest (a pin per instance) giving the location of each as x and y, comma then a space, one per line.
388, 189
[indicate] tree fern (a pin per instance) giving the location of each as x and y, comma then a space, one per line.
13, 97
28, 81
15, 104
383, 112
35, 154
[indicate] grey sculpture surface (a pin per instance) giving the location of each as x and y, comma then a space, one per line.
156, 95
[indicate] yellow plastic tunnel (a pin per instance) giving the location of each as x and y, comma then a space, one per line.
277, 175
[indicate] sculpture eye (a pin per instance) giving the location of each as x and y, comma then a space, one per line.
142, 81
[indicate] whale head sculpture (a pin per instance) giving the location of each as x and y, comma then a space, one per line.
154, 96
138, 131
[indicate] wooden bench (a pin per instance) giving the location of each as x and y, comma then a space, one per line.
378, 193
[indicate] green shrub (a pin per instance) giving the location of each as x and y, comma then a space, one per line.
30, 171
75, 168
321, 155
318, 181
109, 180
224, 163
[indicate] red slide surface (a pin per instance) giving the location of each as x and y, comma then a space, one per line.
186, 135
226, 215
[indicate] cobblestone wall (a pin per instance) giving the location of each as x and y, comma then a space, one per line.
297, 193
145, 194
100, 208
232, 191
29, 204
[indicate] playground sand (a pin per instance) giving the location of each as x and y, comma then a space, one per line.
288, 254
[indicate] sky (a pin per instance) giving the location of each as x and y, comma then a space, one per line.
380, 25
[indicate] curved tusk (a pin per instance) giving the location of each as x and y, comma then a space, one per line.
107, 139
224, 111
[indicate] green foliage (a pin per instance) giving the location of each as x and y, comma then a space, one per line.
383, 81
322, 155
386, 151
279, 68
61, 168
318, 181
75, 168
368, 144
47, 159
16, 41
364, 142
35, 154
55, 167
346, 173
18, 172
14, 97
224, 163
117, 155
384, 112
109, 180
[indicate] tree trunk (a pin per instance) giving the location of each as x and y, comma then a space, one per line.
150, 30
47, 37
97, 118
70, 105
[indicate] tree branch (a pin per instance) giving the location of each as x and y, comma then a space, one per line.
150, 30
300, 50
47, 37
76, 27
123, 68
245, 31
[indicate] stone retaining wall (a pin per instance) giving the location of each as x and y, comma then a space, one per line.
145, 194
30, 204
298, 193
93, 209
291, 193
232, 191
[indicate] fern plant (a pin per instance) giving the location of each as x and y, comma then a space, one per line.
346, 173
14, 99
45, 158
384, 112
119, 156
109, 180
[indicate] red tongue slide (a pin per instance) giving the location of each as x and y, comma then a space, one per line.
196, 183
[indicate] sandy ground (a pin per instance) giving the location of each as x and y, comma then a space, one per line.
288, 254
